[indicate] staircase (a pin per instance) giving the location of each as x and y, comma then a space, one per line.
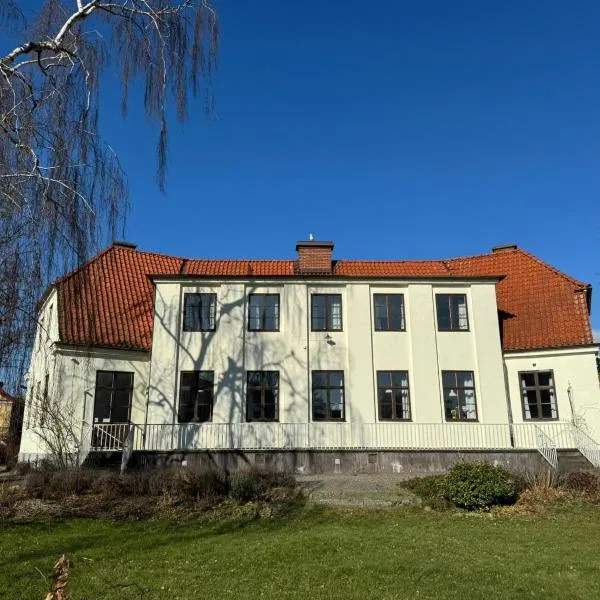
572, 460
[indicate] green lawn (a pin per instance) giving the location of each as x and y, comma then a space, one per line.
323, 554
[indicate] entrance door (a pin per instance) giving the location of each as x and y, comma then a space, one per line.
112, 403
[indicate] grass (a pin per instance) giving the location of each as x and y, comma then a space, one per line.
322, 554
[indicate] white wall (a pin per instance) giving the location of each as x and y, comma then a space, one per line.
358, 350
574, 368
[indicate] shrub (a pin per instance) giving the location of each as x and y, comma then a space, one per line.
253, 485
200, 484
430, 489
478, 486
52, 484
586, 482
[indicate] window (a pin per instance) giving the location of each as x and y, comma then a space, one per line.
328, 395
262, 396
263, 313
459, 395
326, 312
112, 402
389, 312
393, 395
452, 312
199, 312
44, 407
538, 394
196, 392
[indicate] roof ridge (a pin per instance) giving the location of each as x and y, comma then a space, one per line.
244, 259
411, 260
548, 266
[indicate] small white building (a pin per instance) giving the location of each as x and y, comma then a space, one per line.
484, 353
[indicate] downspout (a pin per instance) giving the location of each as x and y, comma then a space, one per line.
149, 376
178, 338
508, 405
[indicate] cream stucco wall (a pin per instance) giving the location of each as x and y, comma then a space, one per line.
295, 351
574, 369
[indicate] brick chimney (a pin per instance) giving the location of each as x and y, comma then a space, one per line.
314, 257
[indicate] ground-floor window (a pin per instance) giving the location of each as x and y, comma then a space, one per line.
262, 396
460, 403
538, 395
393, 395
112, 403
328, 395
196, 391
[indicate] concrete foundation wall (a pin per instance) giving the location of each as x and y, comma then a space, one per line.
348, 462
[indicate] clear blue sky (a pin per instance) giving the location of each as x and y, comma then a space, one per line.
396, 129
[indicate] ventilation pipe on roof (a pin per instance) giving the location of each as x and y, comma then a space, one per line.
504, 248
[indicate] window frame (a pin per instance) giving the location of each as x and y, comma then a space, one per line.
328, 389
114, 374
538, 388
387, 311
263, 311
196, 388
450, 296
213, 299
328, 314
264, 386
394, 389
457, 387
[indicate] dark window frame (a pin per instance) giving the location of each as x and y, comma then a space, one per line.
196, 389
213, 300
394, 389
327, 388
114, 374
263, 311
453, 326
537, 389
460, 419
387, 296
328, 313
263, 387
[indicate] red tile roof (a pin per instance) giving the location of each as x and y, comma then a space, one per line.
109, 301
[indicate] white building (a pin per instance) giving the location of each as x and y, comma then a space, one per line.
488, 353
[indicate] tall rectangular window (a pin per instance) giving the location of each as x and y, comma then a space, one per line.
393, 395
199, 312
262, 396
328, 395
452, 312
460, 403
538, 395
112, 401
196, 396
326, 312
263, 312
389, 312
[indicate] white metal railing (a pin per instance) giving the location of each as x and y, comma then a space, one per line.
110, 436
586, 445
546, 447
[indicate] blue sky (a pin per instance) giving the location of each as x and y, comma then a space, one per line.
396, 129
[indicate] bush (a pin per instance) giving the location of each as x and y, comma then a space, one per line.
53, 484
430, 489
478, 486
586, 482
253, 485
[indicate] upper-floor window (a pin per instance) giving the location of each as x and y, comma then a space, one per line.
263, 312
196, 395
459, 395
538, 395
393, 395
262, 396
328, 395
112, 400
452, 312
326, 312
199, 312
389, 312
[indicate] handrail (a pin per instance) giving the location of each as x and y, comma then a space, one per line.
546, 447
586, 445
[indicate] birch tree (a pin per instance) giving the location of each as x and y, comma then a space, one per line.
62, 189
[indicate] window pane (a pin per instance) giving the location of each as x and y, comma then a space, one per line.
191, 308
205, 378
271, 378
459, 312
385, 403
527, 379
123, 380
336, 404
319, 404
254, 404
336, 378
102, 405
381, 323
402, 404
186, 406
400, 378
530, 404
336, 311
270, 404
188, 379
465, 379
443, 312
448, 378
203, 405
468, 407
545, 378
318, 312
396, 312
319, 378
254, 378
384, 379
119, 412
451, 403
105, 379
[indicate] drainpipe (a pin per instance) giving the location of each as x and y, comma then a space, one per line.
570, 395
508, 406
